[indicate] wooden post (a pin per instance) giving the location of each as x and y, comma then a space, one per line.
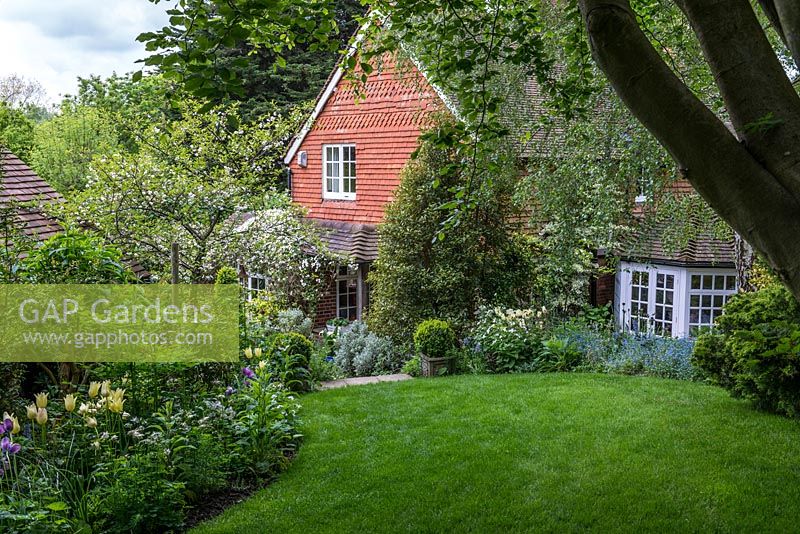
175, 258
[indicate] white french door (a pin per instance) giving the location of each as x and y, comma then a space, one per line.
653, 300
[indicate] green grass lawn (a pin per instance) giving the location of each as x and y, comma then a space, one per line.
532, 452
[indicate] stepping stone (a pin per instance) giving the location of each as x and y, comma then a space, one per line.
359, 380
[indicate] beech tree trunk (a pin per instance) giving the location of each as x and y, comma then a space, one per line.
754, 185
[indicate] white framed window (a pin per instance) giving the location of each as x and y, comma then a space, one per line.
256, 286
708, 293
347, 293
339, 172
671, 301
639, 320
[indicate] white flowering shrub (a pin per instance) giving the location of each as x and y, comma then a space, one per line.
283, 246
508, 338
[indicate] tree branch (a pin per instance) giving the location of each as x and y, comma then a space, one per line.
763, 106
768, 7
739, 189
789, 15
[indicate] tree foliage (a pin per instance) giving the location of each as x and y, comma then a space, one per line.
189, 183
75, 257
749, 176
481, 260
65, 146
16, 131
21, 93
191, 48
130, 105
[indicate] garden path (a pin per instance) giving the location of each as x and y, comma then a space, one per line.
345, 382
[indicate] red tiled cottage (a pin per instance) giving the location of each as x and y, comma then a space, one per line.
345, 164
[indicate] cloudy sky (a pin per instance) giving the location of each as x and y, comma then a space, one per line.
55, 41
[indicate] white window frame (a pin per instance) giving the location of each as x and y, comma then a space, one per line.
714, 294
339, 180
681, 297
351, 276
253, 292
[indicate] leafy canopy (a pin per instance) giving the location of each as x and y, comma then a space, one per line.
189, 183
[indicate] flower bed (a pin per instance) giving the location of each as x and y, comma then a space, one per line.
117, 456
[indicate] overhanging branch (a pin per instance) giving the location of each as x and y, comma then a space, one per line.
763, 106
732, 181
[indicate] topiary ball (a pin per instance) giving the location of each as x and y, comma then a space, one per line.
434, 338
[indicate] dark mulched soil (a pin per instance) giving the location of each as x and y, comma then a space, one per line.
216, 503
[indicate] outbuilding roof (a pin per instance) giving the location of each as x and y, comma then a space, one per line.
702, 250
21, 185
356, 241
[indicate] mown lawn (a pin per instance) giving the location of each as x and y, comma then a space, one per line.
532, 452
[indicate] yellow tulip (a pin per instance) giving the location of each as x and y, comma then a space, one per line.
117, 394
69, 402
31, 411
115, 405
41, 416
94, 389
41, 400
262, 364
84, 409
105, 388
248, 353
257, 352
91, 422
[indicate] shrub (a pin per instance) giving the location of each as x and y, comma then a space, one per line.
266, 317
754, 352
557, 355
468, 361
227, 275
76, 257
480, 259
413, 366
434, 338
136, 495
508, 339
12, 376
323, 367
288, 357
361, 352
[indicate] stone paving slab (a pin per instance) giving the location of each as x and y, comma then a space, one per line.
346, 382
